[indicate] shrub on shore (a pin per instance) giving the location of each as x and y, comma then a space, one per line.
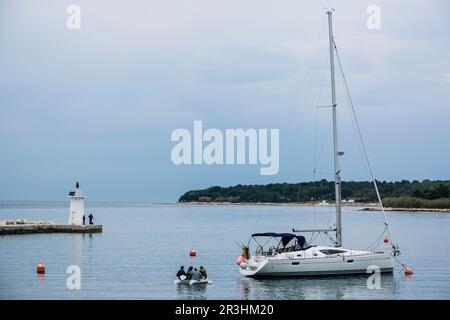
412, 202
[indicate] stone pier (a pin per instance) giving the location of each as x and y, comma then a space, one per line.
49, 228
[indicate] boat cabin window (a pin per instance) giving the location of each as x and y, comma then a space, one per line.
331, 251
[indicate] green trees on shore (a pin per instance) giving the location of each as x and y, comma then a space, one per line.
424, 194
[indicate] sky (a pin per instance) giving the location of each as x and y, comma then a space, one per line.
99, 104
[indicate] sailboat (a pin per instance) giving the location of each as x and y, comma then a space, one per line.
292, 255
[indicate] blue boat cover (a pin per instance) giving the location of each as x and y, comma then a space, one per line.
285, 237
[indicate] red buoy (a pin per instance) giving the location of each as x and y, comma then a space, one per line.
192, 253
408, 270
239, 260
40, 269
386, 240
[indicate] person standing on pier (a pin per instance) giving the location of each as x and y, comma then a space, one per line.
91, 219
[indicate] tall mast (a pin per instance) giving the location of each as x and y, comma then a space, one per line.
337, 179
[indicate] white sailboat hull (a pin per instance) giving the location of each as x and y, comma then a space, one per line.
291, 265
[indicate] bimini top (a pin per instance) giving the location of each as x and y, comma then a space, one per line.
285, 237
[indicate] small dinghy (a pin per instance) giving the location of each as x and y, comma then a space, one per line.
191, 281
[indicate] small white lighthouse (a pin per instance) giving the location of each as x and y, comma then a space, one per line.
76, 206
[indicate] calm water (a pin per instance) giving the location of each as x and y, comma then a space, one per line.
142, 247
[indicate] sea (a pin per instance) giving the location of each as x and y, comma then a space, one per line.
142, 246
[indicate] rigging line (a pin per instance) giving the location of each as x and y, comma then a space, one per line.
363, 145
319, 95
371, 246
358, 142
315, 144
315, 164
323, 144
307, 76
311, 238
329, 215
316, 156
310, 59
398, 260
265, 244
256, 223
312, 78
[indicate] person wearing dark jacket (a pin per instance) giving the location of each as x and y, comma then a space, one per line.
91, 218
181, 273
189, 273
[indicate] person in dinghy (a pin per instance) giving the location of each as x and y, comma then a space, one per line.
192, 276
181, 274
203, 273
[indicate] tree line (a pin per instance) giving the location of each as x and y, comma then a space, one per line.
358, 191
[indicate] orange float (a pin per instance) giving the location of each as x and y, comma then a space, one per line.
408, 270
239, 260
40, 269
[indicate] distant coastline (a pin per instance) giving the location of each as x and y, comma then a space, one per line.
306, 204
416, 195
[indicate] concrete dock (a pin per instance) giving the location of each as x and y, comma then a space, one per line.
49, 228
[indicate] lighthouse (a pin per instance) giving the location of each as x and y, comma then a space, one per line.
76, 206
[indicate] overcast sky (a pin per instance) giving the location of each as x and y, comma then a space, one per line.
99, 104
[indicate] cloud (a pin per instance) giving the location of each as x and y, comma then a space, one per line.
137, 70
